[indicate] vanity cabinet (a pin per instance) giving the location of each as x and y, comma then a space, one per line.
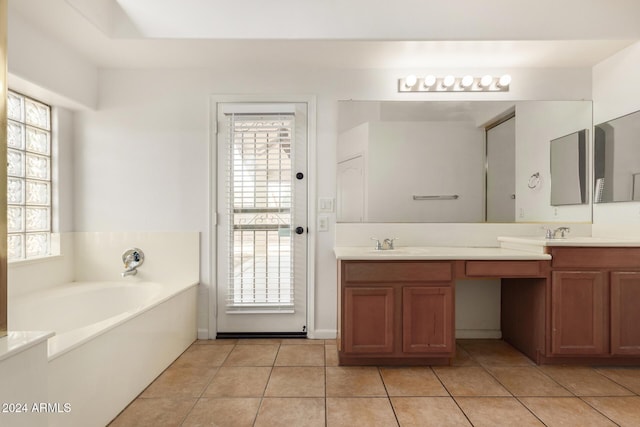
595, 295
396, 312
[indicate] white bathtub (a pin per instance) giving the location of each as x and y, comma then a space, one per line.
112, 339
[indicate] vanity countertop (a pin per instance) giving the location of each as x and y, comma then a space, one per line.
539, 243
427, 253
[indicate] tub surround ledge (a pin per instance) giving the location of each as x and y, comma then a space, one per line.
17, 342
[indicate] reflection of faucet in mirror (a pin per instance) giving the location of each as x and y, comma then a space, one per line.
386, 245
132, 259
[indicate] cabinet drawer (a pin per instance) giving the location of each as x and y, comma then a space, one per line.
595, 257
396, 271
502, 268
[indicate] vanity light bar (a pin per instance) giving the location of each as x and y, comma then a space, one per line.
430, 83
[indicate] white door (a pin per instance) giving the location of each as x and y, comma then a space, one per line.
262, 218
501, 172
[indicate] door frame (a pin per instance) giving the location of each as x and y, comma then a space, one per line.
214, 100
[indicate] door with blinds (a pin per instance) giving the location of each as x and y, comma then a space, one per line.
262, 218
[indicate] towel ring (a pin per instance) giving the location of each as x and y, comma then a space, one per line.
534, 181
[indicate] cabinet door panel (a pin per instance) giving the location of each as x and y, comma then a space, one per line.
427, 319
578, 318
368, 319
625, 313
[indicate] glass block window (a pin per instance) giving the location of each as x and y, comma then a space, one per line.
28, 177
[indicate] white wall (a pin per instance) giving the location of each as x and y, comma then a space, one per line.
616, 93
536, 125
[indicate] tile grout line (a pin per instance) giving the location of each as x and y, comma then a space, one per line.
384, 385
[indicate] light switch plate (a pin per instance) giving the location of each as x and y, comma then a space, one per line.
325, 204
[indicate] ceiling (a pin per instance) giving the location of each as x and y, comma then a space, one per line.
336, 33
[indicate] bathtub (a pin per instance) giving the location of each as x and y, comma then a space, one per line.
112, 339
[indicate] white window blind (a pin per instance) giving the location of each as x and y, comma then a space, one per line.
260, 200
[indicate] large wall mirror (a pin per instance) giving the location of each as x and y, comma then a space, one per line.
450, 161
617, 160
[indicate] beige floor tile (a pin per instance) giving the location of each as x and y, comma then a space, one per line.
584, 381
252, 355
223, 412
300, 355
350, 381
154, 412
463, 358
351, 412
527, 381
204, 355
628, 377
565, 411
180, 382
301, 341
415, 381
295, 381
428, 411
289, 412
259, 341
625, 411
497, 412
495, 353
331, 342
245, 381
469, 381
331, 355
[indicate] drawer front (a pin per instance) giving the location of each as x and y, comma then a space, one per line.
396, 271
502, 268
595, 257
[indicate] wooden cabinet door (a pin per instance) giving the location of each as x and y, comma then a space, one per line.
578, 313
625, 313
368, 319
427, 319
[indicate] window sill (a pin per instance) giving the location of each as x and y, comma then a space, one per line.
38, 260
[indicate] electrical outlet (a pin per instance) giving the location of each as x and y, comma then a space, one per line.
323, 223
555, 211
521, 214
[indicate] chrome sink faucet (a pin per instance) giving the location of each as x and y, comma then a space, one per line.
558, 233
386, 245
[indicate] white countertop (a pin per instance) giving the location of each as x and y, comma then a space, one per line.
436, 253
539, 243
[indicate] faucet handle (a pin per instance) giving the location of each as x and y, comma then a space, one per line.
563, 231
388, 243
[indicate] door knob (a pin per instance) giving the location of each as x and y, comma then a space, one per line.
299, 230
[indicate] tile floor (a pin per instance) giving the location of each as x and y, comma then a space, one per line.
297, 383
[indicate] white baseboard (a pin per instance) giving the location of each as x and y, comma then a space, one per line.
478, 334
322, 334
203, 334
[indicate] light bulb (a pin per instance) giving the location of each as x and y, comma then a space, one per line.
486, 81
448, 81
504, 81
467, 81
429, 80
410, 81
